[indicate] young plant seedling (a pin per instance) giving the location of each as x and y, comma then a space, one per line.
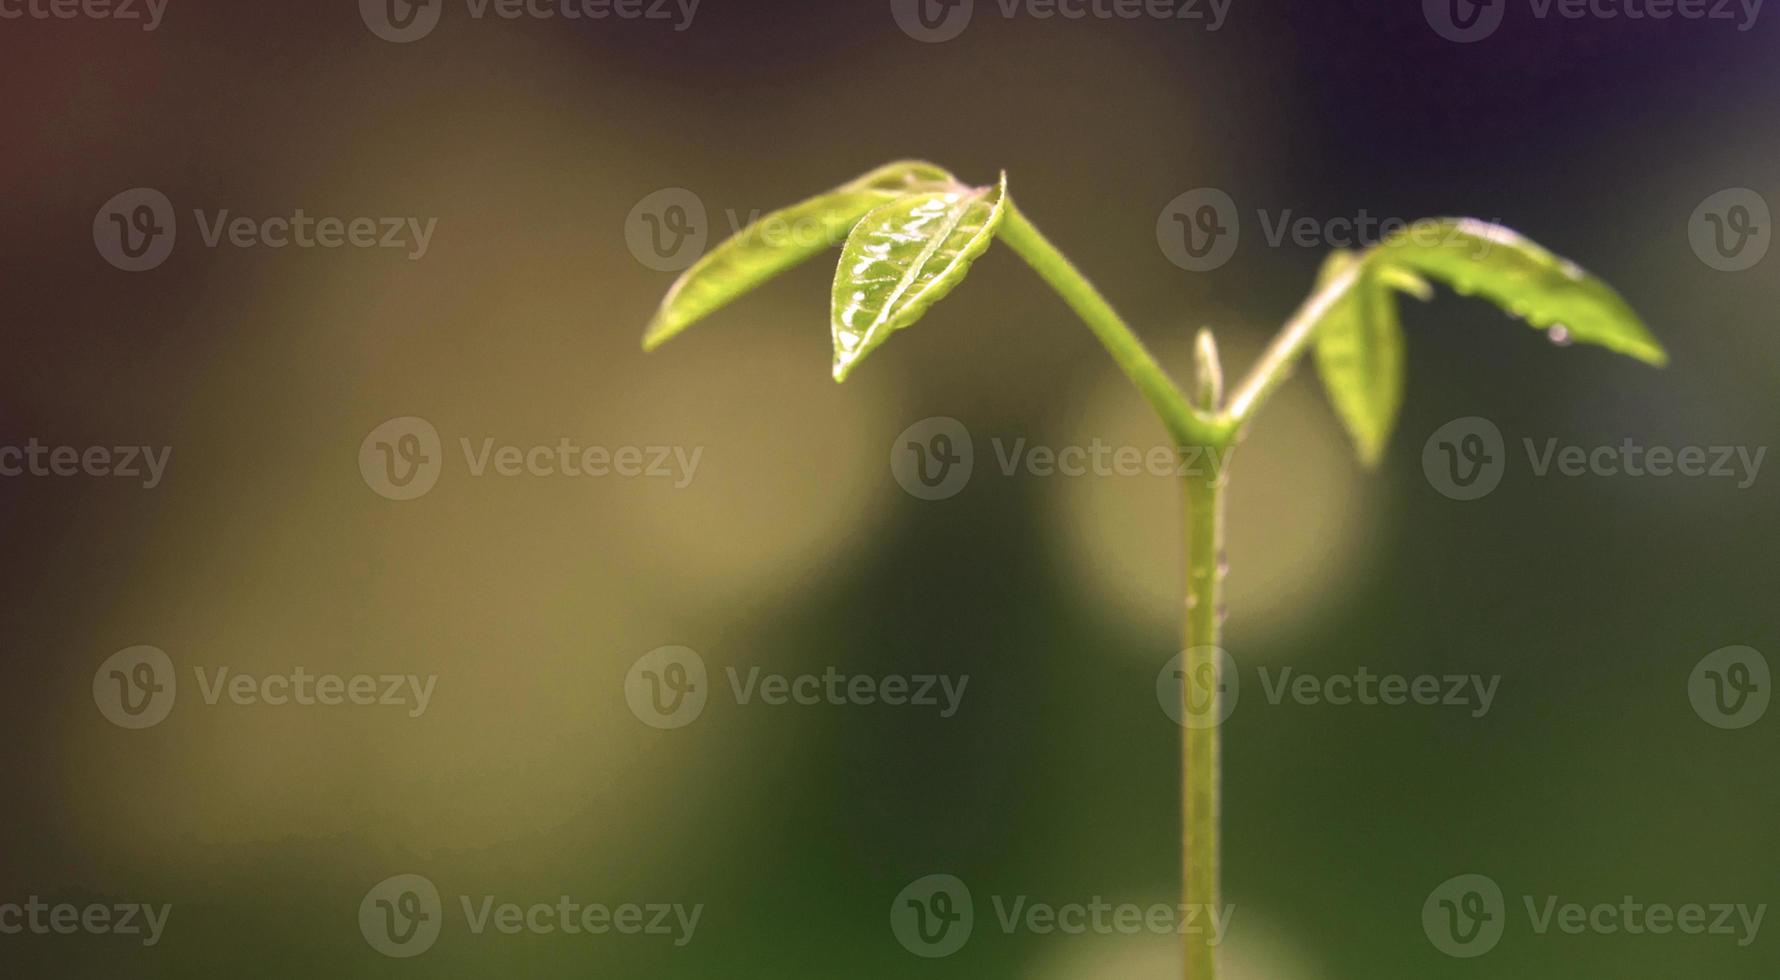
911, 231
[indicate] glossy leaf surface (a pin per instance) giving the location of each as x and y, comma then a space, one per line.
782, 239
902, 258
1484, 259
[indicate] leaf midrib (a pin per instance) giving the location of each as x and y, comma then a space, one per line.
914, 271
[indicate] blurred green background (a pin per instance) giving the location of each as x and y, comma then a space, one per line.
531, 141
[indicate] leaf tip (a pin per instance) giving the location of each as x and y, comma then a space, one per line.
1640, 344
658, 333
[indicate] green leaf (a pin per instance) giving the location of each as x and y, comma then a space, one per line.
1359, 350
1478, 257
782, 239
904, 257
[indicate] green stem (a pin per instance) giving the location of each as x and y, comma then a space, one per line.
1197, 425
1287, 346
1199, 743
1187, 427
1201, 775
